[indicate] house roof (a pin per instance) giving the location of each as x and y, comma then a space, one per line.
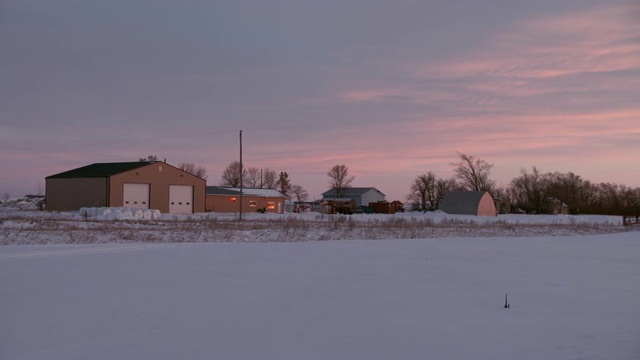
221, 190
352, 191
101, 170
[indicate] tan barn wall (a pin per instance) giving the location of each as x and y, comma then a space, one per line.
486, 206
66, 194
223, 203
159, 175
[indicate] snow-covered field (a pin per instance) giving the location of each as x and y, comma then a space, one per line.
250, 297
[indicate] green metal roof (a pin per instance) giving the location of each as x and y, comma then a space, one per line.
101, 170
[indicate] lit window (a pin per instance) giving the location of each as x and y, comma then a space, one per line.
271, 205
234, 199
253, 203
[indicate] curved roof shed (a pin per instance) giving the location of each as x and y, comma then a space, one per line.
479, 203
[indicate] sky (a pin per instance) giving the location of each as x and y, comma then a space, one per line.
392, 89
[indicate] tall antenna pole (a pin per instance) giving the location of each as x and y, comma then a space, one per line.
241, 176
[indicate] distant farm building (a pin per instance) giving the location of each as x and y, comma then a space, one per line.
398, 206
556, 207
503, 205
227, 200
479, 203
339, 206
382, 207
361, 195
141, 184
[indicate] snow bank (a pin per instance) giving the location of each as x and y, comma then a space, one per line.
119, 213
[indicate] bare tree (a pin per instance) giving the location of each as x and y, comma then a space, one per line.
269, 179
191, 168
569, 188
443, 186
284, 184
149, 158
339, 179
40, 190
299, 192
423, 190
473, 173
233, 175
253, 178
528, 191
427, 191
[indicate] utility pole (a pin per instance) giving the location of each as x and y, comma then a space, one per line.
241, 177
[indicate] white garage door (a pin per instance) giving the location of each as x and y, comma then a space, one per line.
180, 199
136, 196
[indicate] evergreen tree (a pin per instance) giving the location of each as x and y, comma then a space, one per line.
284, 184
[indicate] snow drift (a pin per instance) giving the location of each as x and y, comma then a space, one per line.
119, 213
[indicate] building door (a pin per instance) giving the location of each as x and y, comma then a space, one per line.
136, 196
180, 199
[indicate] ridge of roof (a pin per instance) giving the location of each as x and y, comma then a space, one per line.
101, 169
220, 190
223, 190
351, 191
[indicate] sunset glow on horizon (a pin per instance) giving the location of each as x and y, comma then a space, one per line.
392, 90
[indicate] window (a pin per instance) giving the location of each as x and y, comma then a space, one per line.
271, 204
233, 199
253, 203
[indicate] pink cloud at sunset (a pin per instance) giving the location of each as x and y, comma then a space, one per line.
557, 45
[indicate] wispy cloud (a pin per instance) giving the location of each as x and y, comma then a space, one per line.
597, 40
543, 89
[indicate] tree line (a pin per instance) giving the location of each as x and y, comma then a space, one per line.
531, 192
236, 175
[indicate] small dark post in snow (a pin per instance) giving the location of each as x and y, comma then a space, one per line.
241, 179
506, 302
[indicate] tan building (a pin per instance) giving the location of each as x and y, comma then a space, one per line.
227, 200
140, 184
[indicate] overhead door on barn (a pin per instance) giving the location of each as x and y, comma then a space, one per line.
180, 199
136, 196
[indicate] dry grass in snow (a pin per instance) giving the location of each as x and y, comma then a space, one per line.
32, 227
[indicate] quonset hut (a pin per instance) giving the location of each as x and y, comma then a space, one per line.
479, 203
